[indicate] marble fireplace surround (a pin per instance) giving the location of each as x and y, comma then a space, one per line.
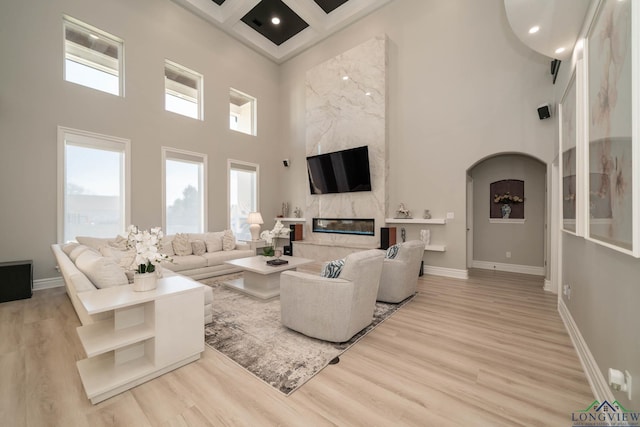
346, 108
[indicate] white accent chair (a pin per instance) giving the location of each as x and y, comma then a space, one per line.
399, 278
332, 309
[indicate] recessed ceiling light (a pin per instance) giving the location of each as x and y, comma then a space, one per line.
534, 29
368, 93
275, 20
345, 77
560, 50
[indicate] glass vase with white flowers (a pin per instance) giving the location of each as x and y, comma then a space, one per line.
271, 238
146, 244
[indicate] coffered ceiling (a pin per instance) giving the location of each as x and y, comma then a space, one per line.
299, 24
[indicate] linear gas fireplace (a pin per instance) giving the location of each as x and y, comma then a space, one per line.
360, 226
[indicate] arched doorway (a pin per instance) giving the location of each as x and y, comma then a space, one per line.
507, 244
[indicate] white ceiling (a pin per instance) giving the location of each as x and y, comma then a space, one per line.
321, 25
560, 22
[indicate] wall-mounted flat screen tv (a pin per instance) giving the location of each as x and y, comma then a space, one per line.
340, 171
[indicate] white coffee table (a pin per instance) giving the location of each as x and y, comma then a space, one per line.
261, 280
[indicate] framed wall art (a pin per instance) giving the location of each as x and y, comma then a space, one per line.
568, 153
612, 110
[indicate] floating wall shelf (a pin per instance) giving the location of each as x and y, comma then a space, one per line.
415, 221
290, 219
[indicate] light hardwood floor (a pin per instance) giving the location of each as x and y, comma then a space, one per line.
490, 350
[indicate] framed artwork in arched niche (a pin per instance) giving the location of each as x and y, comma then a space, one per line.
506, 199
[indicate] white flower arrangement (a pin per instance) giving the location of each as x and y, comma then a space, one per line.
271, 236
507, 198
146, 244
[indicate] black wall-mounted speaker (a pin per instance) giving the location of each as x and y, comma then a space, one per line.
544, 112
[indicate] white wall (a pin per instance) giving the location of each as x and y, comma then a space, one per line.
34, 100
461, 88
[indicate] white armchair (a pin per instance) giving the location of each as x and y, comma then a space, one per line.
332, 309
400, 274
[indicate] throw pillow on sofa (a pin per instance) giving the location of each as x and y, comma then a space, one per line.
228, 241
198, 247
75, 253
181, 245
94, 242
392, 252
124, 258
166, 246
214, 241
68, 247
102, 271
332, 269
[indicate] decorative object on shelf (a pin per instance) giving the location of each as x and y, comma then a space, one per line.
425, 236
427, 214
506, 199
297, 212
254, 220
403, 234
403, 212
271, 238
509, 192
506, 210
285, 209
146, 244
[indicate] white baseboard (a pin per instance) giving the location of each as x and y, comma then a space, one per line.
52, 282
512, 268
446, 272
548, 286
598, 383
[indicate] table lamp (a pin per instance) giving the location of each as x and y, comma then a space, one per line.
254, 220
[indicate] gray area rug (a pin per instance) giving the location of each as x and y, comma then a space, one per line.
249, 332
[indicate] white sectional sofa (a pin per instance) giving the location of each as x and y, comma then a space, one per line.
94, 263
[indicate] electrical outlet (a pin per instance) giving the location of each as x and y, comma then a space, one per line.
508, 254
450, 215
566, 290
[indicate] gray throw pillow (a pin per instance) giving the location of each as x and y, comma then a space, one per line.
181, 245
198, 247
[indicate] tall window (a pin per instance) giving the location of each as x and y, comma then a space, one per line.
182, 90
184, 191
243, 196
92, 57
242, 112
93, 176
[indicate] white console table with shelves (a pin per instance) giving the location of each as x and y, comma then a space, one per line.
433, 221
145, 334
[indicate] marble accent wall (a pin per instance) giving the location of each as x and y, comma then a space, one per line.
346, 108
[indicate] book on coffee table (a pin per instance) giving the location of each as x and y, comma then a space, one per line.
277, 262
